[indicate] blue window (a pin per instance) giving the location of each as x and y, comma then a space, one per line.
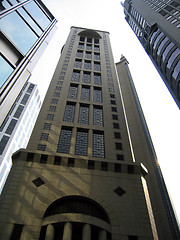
173, 57
18, 31
6, 70
38, 14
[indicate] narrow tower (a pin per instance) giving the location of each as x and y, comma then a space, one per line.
78, 177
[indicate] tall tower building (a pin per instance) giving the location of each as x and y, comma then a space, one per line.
26, 28
79, 177
157, 26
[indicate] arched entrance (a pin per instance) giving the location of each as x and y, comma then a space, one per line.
75, 218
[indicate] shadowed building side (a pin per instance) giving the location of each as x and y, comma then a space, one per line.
144, 152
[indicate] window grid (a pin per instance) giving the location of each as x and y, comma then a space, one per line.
97, 95
75, 76
81, 143
114, 109
120, 157
86, 77
59, 82
87, 65
111, 89
25, 99
88, 47
56, 94
44, 136
41, 147
98, 117
116, 125
114, 117
52, 108
61, 77
81, 46
118, 146
58, 88
47, 126
97, 66
96, 48
97, 79
73, 90
18, 111
54, 101
3, 143
50, 116
113, 102
78, 63
79, 53
30, 88
64, 141
69, 113
11, 126
117, 135
83, 115
112, 95
85, 94
88, 55
98, 145
96, 56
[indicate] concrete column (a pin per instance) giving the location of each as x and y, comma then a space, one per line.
86, 232
102, 235
67, 233
49, 232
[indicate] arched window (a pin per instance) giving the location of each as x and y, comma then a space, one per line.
89, 33
77, 204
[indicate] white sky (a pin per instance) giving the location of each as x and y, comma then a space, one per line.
161, 113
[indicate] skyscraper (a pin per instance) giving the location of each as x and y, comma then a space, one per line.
17, 127
26, 28
87, 172
157, 26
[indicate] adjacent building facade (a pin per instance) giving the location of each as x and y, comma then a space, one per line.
17, 127
26, 28
88, 170
157, 26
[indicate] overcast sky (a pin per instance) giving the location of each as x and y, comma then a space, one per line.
161, 113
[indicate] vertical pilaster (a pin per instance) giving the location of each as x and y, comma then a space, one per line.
86, 232
102, 235
49, 232
67, 233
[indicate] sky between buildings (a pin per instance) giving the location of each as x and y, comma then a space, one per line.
160, 110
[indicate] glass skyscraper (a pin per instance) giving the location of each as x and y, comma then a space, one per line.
26, 28
156, 24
